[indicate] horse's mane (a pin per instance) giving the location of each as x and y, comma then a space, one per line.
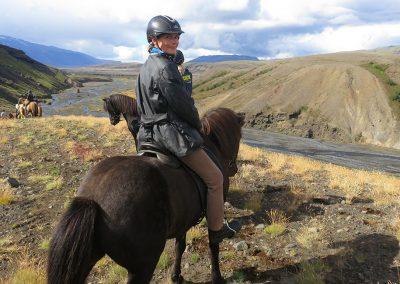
223, 127
122, 104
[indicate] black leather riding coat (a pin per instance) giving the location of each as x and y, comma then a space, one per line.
168, 116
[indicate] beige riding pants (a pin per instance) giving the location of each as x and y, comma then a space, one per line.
199, 162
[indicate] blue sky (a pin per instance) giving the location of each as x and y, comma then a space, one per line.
263, 28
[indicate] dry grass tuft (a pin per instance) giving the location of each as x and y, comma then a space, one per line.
55, 184
251, 153
29, 271
116, 274
164, 261
277, 162
278, 224
37, 178
4, 140
194, 233
307, 237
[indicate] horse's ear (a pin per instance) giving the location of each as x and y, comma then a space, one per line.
241, 117
105, 99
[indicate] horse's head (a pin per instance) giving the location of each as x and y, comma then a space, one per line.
222, 134
113, 113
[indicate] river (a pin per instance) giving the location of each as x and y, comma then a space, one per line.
88, 102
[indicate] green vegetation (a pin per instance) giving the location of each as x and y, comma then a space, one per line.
275, 229
28, 275
116, 274
239, 276
163, 261
220, 82
312, 273
194, 258
212, 77
45, 244
392, 88
19, 73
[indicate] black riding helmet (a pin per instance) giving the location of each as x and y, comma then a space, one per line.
179, 58
162, 25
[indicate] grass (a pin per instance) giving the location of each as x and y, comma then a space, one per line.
193, 234
275, 230
45, 244
278, 224
164, 261
55, 184
24, 164
381, 187
6, 193
37, 178
116, 274
239, 276
194, 258
227, 255
307, 238
393, 89
29, 271
312, 272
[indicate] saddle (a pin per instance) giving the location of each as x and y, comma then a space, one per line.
167, 158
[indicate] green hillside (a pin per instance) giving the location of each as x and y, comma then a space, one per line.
19, 73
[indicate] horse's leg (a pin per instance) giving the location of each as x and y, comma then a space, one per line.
180, 245
143, 271
215, 273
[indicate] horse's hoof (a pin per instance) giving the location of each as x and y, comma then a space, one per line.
177, 279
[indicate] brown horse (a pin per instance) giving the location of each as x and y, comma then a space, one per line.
126, 207
32, 108
116, 105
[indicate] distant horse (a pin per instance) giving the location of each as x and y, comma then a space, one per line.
116, 105
126, 207
31, 108
21, 110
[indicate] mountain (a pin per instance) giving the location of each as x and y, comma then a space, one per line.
20, 73
51, 55
220, 58
344, 97
393, 49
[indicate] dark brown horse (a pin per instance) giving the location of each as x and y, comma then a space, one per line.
128, 206
116, 105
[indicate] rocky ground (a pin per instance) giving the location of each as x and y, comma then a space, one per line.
304, 221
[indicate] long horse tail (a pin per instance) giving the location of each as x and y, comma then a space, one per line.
72, 246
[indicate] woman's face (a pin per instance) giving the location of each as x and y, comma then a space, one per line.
167, 43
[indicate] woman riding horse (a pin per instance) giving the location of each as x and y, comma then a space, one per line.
170, 119
128, 206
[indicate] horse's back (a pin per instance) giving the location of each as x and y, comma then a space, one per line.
143, 188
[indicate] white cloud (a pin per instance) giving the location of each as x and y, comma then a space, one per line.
232, 5
345, 38
116, 29
126, 54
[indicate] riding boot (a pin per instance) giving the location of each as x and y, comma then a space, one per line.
228, 230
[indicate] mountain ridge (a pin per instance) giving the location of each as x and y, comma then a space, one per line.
51, 55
